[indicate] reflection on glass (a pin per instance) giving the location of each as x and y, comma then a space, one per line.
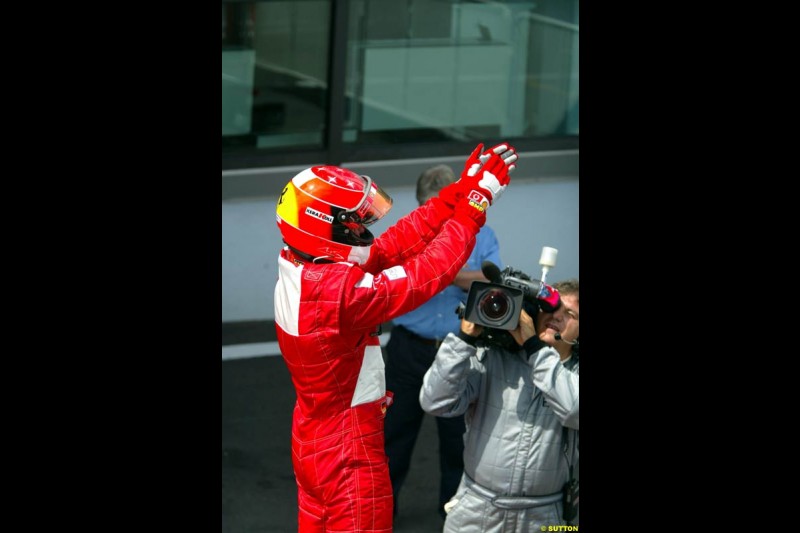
416, 70
434, 69
274, 73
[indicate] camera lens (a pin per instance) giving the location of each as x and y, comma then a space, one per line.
495, 306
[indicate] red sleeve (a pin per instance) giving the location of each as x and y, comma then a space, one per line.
408, 236
369, 300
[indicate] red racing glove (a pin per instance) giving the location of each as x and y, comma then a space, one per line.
492, 177
474, 161
506, 151
485, 186
453, 193
471, 214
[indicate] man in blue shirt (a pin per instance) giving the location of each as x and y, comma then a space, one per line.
412, 346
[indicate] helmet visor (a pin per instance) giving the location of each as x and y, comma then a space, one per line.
375, 204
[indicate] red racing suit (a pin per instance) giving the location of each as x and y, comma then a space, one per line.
327, 317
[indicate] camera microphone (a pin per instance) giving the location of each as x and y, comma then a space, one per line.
492, 272
547, 260
558, 338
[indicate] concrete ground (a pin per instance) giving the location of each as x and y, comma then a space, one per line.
258, 486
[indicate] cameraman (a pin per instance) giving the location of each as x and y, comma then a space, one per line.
521, 414
410, 351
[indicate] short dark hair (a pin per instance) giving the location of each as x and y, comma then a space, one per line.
567, 286
432, 180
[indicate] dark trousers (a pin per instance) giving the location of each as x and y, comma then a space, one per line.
407, 360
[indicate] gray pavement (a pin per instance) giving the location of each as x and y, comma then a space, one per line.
258, 487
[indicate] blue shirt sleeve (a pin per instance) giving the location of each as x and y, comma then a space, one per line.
487, 248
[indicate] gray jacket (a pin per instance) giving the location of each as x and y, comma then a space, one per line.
516, 407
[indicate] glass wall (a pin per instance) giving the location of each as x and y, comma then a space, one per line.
274, 74
411, 72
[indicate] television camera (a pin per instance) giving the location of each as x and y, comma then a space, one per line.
496, 305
